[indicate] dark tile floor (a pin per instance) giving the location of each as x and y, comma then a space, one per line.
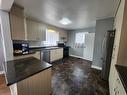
4, 90
71, 76
75, 77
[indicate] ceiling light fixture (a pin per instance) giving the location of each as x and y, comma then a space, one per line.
65, 21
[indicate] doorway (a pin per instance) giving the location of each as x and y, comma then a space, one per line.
89, 46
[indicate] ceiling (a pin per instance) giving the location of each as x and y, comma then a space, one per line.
82, 13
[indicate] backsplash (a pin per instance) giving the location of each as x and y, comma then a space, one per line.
36, 43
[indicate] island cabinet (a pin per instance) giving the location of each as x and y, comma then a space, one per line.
29, 76
39, 84
36, 31
17, 23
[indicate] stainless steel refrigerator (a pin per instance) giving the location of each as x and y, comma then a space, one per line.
107, 49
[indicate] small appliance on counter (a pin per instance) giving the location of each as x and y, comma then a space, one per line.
61, 44
21, 48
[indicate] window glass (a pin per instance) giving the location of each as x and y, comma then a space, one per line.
52, 37
80, 38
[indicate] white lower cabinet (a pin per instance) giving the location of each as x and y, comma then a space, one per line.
56, 54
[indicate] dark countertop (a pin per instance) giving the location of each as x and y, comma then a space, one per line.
18, 70
44, 48
122, 72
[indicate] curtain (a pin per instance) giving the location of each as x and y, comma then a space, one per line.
52, 37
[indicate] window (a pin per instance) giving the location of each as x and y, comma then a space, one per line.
52, 37
80, 38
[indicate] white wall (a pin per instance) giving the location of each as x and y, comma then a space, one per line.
6, 35
102, 26
71, 41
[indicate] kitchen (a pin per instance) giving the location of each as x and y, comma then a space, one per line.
45, 53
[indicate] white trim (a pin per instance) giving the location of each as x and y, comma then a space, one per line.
79, 57
76, 56
96, 67
1, 72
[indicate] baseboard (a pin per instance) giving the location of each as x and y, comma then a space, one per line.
76, 56
96, 67
1, 72
79, 57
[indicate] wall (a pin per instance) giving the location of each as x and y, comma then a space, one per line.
6, 36
102, 26
71, 41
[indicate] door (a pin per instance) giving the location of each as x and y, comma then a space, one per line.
89, 46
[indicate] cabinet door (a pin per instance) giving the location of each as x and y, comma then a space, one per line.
31, 30
35, 30
53, 55
59, 53
17, 27
56, 54
41, 32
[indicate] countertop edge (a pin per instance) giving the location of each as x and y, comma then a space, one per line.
9, 84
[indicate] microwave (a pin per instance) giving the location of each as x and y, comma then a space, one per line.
20, 48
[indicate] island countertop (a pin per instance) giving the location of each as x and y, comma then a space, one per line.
18, 70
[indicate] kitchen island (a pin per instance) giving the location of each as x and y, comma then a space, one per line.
28, 76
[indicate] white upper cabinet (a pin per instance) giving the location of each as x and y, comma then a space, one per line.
17, 23
35, 30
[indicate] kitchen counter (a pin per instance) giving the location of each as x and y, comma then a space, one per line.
18, 70
122, 71
43, 48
